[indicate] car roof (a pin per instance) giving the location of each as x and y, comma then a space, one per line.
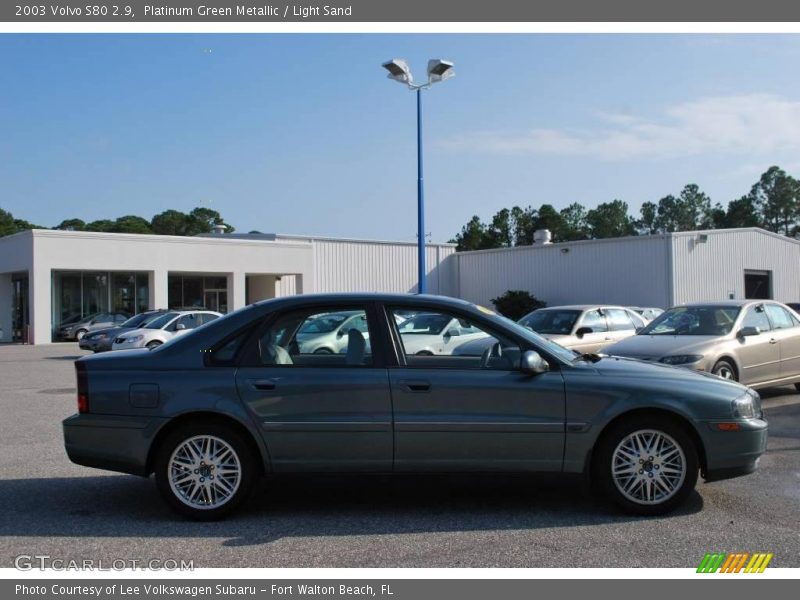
731, 303
367, 297
582, 306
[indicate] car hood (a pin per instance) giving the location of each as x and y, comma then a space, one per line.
126, 333
653, 347
110, 331
664, 377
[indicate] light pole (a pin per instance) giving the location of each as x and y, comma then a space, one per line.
438, 70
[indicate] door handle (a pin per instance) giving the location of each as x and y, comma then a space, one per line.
773, 341
415, 385
262, 385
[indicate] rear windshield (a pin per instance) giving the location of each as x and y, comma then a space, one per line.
694, 320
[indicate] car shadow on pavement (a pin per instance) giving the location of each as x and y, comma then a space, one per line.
291, 506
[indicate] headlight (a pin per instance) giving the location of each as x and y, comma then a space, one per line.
747, 406
136, 338
681, 359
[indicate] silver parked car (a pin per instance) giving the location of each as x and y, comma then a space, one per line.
584, 328
94, 322
755, 342
210, 412
328, 333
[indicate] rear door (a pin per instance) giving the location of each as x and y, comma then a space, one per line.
319, 412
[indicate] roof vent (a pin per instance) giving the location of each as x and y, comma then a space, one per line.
218, 229
542, 236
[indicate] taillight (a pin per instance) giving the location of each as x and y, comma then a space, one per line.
83, 387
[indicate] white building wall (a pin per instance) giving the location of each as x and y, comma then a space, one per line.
715, 269
632, 271
369, 266
16, 254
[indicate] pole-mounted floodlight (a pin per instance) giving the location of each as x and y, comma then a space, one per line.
398, 70
438, 70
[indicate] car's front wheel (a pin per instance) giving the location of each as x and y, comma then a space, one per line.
646, 465
204, 471
79, 334
723, 368
153, 345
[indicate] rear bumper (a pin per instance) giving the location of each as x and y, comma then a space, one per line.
733, 453
110, 442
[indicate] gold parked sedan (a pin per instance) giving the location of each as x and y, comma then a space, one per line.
584, 328
755, 342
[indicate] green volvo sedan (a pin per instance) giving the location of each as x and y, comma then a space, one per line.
210, 412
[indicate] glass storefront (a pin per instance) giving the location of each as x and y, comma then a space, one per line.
198, 291
77, 294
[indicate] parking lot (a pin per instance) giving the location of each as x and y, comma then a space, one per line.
53, 507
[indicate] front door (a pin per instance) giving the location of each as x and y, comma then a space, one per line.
786, 330
598, 338
319, 411
472, 409
759, 355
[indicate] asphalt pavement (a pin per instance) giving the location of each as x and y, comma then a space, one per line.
51, 506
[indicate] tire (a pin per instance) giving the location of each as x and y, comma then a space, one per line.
638, 492
424, 353
323, 351
725, 369
153, 345
79, 334
234, 454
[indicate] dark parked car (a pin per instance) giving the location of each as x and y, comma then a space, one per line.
211, 411
102, 339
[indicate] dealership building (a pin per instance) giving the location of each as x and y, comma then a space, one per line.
49, 276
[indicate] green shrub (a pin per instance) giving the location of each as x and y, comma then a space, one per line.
515, 304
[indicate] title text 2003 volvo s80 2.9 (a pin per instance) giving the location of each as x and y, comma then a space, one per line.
211, 411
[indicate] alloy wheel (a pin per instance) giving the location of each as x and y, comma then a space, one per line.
648, 467
204, 472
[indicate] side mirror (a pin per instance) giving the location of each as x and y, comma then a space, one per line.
532, 363
180, 327
340, 333
453, 332
748, 331
582, 331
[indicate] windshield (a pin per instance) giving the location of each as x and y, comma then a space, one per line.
551, 321
139, 320
159, 322
324, 323
425, 324
694, 320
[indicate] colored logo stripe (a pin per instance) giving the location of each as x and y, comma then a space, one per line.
734, 562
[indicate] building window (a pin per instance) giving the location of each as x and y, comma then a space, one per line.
758, 285
198, 292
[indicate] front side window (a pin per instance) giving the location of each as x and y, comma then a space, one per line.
162, 321
595, 320
780, 317
317, 339
756, 317
438, 339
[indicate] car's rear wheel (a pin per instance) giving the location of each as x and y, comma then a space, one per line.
153, 344
204, 471
723, 368
646, 465
79, 334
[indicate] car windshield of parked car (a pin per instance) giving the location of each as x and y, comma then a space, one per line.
324, 323
425, 324
160, 322
139, 320
694, 320
551, 321
553, 348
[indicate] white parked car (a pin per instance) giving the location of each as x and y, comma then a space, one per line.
328, 333
436, 334
164, 328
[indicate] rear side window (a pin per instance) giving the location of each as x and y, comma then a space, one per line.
618, 320
780, 317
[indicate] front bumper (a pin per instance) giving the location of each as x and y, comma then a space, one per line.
733, 453
95, 345
114, 443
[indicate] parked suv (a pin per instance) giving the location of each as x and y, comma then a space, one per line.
163, 328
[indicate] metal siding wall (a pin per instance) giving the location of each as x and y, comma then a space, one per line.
630, 271
348, 266
705, 272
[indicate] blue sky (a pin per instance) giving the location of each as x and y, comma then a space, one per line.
304, 134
